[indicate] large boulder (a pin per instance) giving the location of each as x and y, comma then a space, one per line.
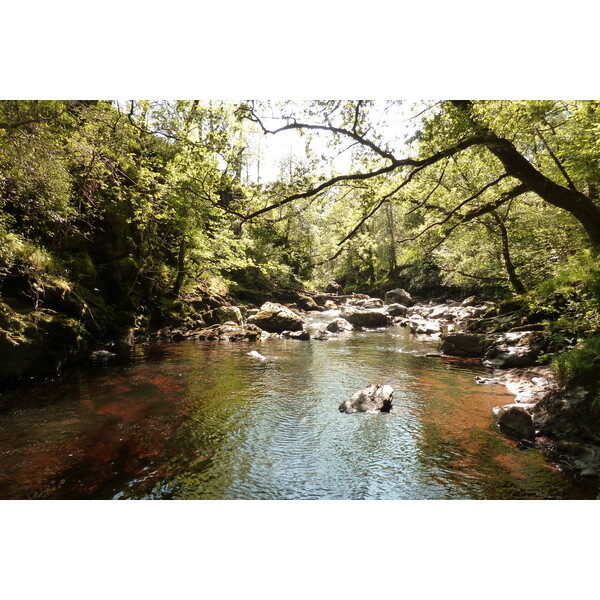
517, 421
465, 344
275, 318
366, 318
516, 349
229, 331
400, 296
569, 413
373, 398
338, 325
224, 314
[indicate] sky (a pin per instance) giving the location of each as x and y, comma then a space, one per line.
398, 126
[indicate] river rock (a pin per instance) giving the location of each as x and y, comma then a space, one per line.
334, 288
365, 318
464, 344
223, 314
505, 357
275, 318
372, 303
356, 300
400, 296
338, 325
441, 312
424, 327
228, 331
516, 349
517, 421
373, 398
321, 335
102, 355
305, 302
396, 310
296, 335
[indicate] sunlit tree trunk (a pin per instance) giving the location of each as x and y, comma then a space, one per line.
180, 267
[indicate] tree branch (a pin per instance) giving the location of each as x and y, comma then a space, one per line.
395, 164
560, 166
252, 116
457, 208
481, 277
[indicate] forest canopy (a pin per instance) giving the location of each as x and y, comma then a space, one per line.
123, 207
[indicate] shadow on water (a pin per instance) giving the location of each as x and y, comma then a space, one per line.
206, 420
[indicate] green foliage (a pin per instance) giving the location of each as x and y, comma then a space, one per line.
136, 201
570, 298
572, 363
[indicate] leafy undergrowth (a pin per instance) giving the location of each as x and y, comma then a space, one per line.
569, 365
569, 306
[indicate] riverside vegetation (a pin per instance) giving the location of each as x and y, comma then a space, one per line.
124, 222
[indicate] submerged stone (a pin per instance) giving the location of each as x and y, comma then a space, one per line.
296, 335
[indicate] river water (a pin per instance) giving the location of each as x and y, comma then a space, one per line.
205, 420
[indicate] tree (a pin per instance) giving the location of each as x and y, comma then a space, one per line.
533, 154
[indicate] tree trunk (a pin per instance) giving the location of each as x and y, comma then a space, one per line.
393, 265
514, 279
180, 267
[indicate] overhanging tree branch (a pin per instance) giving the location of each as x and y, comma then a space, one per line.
574, 202
396, 164
377, 206
478, 212
560, 166
453, 212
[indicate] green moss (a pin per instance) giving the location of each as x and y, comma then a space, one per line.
38, 343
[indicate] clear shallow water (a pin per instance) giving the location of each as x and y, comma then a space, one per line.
205, 420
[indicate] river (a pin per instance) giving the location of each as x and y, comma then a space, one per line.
205, 420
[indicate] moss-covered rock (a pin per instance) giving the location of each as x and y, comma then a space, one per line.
37, 344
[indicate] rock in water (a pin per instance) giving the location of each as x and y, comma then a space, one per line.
373, 398
465, 344
322, 334
338, 325
517, 421
276, 318
399, 296
296, 335
366, 318
255, 354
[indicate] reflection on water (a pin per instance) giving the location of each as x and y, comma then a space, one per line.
206, 420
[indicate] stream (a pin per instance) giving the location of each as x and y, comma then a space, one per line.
205, 420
